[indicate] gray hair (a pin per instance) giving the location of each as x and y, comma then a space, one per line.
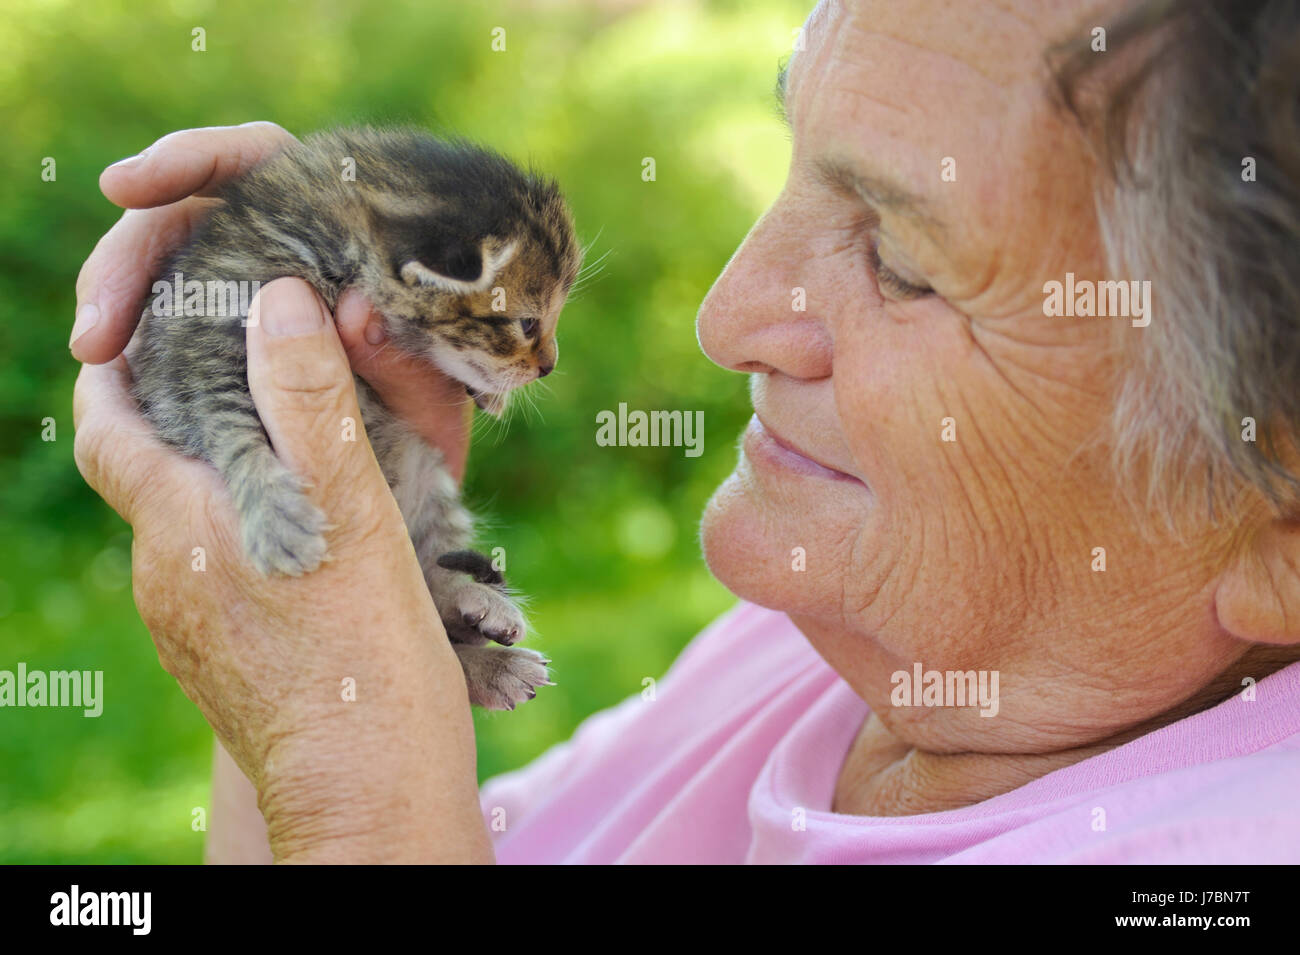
1198, 88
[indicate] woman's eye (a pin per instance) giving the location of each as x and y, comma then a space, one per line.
892, 284
529, 326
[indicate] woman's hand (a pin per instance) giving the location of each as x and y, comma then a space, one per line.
387, 776
336, 693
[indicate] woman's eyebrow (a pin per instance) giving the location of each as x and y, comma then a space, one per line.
843, 177
878, 192
782, 72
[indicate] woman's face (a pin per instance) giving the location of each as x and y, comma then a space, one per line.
934, 189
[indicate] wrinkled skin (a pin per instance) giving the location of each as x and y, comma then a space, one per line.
974, 553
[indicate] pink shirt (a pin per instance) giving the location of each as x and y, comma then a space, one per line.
736, 758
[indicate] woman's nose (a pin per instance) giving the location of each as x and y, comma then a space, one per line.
758, 316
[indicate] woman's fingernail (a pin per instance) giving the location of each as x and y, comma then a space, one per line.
290, 315
130, 161
87, 318
375, 333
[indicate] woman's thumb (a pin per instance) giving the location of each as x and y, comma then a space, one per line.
302, 386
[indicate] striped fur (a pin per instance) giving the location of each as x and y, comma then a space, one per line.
470, 261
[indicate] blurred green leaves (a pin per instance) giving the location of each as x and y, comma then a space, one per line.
603, 539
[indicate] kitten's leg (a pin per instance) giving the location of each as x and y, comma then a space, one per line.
438, 523
501, 678
214, 419
498, 678
470, 610
282, 529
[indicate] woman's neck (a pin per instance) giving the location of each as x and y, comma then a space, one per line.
884, 775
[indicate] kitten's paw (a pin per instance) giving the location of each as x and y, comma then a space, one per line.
482, 609
284, 531
501, 679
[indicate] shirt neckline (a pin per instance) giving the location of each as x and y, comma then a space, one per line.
804, 767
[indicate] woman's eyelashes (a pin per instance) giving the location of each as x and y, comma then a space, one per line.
866, 228
892, 284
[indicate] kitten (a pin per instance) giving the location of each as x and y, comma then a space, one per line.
469, 260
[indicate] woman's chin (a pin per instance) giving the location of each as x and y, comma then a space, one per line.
760, 553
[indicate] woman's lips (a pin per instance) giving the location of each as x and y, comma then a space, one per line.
762, 446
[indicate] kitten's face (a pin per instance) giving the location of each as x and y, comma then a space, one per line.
501, 335
504, 336
484, 313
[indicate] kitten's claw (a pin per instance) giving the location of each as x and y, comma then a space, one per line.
481, 608
501, 679
478, 608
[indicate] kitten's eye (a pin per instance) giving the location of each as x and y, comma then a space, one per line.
530, 327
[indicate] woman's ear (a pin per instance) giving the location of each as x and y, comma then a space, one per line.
1258, 596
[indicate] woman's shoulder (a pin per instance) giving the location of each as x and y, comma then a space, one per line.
1217, 787
747, 632
1238, 811
627, 775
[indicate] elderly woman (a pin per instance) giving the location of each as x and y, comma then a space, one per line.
1018, 543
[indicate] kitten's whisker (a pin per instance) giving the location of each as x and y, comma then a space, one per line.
587, 267
387, 344
585, 282
594, 239
484, 425
589, 270
587, 276
528, 398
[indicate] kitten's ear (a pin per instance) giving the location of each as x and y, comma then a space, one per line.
459, 266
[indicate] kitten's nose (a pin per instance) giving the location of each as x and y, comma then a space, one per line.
546, 356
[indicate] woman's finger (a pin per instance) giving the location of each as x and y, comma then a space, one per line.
170, 173
118, 452
434, 405
302, 386
190, 162
116, 276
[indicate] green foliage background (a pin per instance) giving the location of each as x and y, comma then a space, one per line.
604, 539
